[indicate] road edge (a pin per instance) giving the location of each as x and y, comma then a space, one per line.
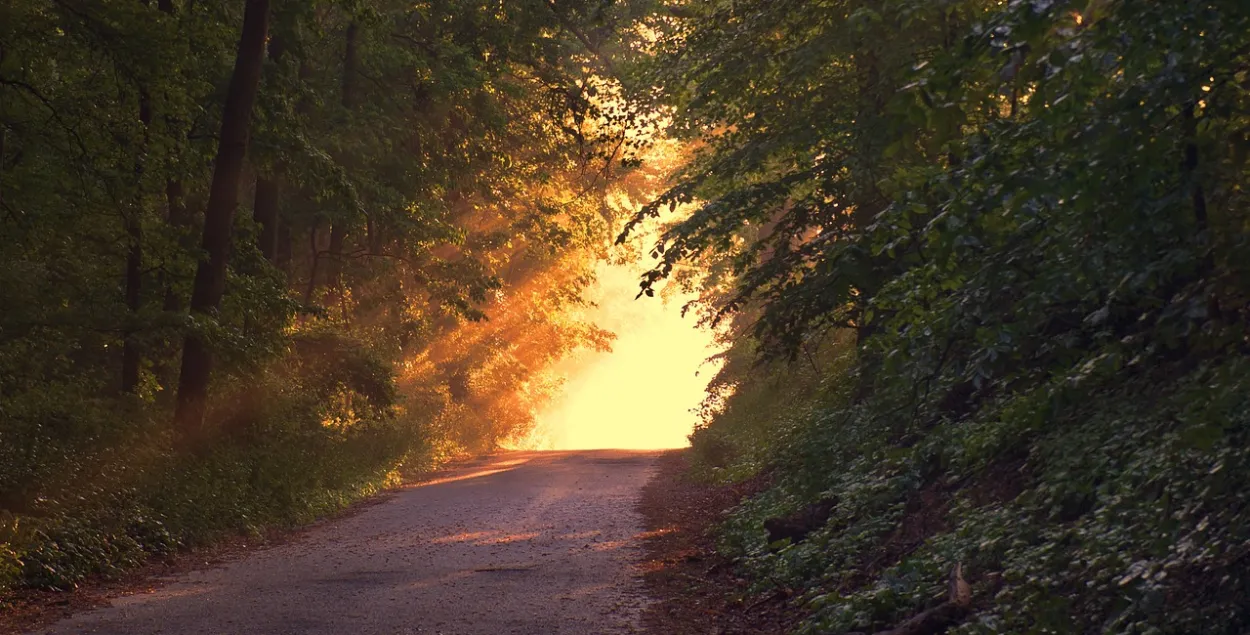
695, 590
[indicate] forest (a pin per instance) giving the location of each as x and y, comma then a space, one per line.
978, 267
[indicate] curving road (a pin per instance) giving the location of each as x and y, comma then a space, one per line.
525, 543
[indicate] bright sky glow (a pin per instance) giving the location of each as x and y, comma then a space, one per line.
639, 396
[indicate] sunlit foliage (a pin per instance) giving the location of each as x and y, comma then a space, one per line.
421, 206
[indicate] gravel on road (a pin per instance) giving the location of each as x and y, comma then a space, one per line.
539, 543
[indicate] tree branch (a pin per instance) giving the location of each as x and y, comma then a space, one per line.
603, 60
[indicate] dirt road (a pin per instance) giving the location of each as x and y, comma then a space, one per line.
526, 543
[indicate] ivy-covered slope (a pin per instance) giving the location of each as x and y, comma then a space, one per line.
994, 256
1105, 502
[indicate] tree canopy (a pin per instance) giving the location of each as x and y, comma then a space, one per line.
237, 234
980, 266
1003, 246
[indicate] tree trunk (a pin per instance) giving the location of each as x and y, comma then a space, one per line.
338, 230
269, 186
177, 217
1196, 195
338, 236
338, 295
180, 219
282, 256
223, 198
3, 131
373, 236
349, 67
286, 236
265, 213
312, 267
132, 356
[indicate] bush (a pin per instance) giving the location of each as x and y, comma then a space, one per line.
1112, 504
302, 438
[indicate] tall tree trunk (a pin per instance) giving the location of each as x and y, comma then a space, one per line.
338, 231
3, 131
373, 236
132, 355
269, 186
338, 295
339, 228
350, 60
265, 213
1197, 197
334, 268
286, 237
282, 255
223, 198
179, 218
312, 267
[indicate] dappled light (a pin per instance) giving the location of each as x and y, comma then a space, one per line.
462, 477
927, 294
543, 545
490, 469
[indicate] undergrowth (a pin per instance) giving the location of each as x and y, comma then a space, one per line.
1108, 503
106, 491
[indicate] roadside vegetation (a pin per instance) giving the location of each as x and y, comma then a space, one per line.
984, 270
258, 259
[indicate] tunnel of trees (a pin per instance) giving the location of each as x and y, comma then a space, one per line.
258, 255
981, 269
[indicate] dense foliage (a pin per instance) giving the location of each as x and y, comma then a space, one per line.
983, 266
993, 258
420, 201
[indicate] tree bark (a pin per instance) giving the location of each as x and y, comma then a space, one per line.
350, 58
265, 213
338, 231
132, 355
223, 198
177, 217
338, 236
269, 186
340, 228
373, 236
1197, 197
180, 219
312, 267
282, 256
3, 132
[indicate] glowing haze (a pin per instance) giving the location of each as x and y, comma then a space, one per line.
641, 395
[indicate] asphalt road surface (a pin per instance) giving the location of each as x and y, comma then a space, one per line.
525, 543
